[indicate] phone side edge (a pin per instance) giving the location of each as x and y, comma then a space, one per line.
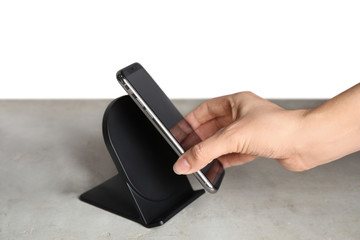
161, 128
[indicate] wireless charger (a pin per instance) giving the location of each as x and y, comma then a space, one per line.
146, 190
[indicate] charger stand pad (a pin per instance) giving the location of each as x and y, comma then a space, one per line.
145, 190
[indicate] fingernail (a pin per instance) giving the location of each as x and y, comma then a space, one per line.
181, 166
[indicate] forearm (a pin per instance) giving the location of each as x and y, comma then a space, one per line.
331, 130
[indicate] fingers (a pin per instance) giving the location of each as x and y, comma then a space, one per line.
206, 119
181, 130
209, 128
235, 159
204, 152
220, 109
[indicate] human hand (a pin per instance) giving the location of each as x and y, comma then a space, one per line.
240, 127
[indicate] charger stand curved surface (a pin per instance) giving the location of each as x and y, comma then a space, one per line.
146, 190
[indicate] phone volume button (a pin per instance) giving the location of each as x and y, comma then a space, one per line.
146, 112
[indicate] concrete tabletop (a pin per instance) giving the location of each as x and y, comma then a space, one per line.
51, 151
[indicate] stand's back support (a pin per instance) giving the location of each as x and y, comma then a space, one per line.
146, 189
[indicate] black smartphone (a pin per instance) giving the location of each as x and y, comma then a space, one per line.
158, 108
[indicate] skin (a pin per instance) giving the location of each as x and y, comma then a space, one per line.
240, 127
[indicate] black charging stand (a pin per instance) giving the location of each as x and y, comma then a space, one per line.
146, 190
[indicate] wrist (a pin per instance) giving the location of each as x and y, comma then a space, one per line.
326, 134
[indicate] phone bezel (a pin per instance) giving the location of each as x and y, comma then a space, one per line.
208, 186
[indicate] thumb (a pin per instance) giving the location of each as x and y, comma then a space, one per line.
204, 152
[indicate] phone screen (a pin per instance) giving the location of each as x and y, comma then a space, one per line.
169, 116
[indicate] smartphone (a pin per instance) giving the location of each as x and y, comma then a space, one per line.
158, 108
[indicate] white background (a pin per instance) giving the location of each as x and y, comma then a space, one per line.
193, 49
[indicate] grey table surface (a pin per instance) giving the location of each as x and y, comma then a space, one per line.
51, 151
